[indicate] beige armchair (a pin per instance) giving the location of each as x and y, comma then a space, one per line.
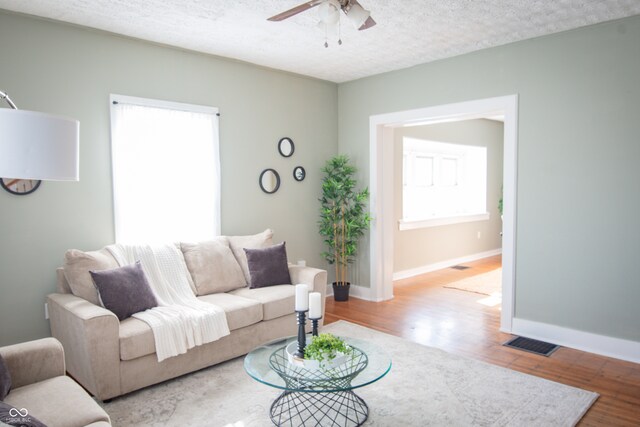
40, 386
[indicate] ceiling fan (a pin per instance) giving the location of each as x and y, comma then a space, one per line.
360, 17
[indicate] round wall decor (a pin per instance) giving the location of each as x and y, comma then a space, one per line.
286, 147
269, 181
299, 174
20, 187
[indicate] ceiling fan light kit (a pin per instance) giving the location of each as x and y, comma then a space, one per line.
329, 13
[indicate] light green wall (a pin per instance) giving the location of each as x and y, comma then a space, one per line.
426, 246
578, 234
58, 68
577, 228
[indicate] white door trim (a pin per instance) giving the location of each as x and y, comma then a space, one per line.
382, 190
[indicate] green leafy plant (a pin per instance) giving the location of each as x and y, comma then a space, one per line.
343, 215
325, 347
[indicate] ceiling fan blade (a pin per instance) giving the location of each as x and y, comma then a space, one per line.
296, 10
367, 24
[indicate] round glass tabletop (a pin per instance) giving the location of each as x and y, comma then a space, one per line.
269, 364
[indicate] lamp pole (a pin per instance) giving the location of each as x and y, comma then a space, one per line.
8, 100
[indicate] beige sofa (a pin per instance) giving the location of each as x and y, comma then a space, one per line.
40, 386
111, 357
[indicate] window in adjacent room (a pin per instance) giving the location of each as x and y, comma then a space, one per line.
166, 171
442, 183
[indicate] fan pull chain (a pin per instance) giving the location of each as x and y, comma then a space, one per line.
326, 37
339, 33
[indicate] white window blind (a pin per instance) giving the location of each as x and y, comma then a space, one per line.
166, 171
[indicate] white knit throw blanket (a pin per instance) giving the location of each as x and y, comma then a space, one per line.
180, 321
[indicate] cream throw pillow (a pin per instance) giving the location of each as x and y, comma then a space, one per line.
76, 269
213, 267
257, 241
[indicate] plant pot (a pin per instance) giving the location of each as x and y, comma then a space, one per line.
341, 291
314, 365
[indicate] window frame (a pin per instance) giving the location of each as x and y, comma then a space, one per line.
438, 155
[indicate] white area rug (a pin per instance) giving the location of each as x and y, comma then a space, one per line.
425, 387
489, 283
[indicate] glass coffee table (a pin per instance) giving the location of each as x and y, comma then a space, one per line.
321, 397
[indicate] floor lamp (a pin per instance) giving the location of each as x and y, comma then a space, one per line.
37, 146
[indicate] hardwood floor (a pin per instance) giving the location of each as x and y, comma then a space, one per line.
425, 312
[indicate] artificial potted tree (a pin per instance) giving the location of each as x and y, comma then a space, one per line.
343, 220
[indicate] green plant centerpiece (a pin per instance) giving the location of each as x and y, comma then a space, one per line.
326, 348
343, 219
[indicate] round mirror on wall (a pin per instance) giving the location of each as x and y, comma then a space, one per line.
286, 147
269, 181
299, 173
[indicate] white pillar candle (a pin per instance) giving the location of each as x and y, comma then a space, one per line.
302, 297
315, 305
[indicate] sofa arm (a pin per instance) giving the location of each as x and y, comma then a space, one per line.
315, 278
34, 361
90, 336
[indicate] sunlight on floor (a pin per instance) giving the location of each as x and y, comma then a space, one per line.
437, 334
492, 300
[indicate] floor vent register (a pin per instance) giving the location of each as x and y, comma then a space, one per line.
460, 267
532, 346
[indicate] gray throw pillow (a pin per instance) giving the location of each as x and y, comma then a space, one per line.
5, 379
257, 241
17, 417
268, 266
124, 290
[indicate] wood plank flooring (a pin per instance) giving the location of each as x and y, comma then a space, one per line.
425, 312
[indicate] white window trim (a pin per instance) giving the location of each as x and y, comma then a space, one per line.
437, 222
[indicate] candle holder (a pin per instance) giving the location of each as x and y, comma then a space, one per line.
314, 326
302, 339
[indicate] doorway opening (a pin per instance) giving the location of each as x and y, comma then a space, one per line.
448, 192
383, 192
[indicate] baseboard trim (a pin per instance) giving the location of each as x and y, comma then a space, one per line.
586, 341
355, 291
405, 274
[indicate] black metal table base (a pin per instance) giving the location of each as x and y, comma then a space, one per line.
341, 408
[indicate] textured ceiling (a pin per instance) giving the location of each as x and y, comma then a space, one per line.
409, 32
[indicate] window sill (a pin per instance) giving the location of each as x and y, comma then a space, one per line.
437, 222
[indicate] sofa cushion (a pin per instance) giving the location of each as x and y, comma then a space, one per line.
76, 269
268, 266
136, 337
212, 266
58, 401
240, 311
13, 416
5, 379
276, 300
256, 241
124, 290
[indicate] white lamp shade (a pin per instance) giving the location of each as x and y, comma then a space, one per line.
37, 145
329, 12
358, 15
